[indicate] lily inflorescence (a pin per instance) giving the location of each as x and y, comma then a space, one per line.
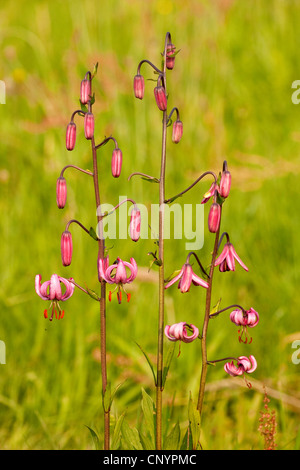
119, 273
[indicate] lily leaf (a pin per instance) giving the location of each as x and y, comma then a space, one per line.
93, 234
216, 307
93, 294
168, 363
149, 362
194, 419
150, 180
95, 438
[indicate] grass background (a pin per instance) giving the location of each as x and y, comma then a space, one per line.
232, 83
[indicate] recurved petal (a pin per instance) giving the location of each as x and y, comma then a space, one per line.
253, 364
54, 288
175, 279
186, 279
189, 339
41, 289
133, 269
253, 318
121, 276
198, 281
69, 288
167, 329
223, 255
234, 253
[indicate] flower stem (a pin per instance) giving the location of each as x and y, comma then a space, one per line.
101, 248
159, 380
205, 324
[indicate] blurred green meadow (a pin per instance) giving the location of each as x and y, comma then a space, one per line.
232, 83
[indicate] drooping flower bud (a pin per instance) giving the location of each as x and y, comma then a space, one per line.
116, 162
71, 136
85, 91
135, 224
214, 217
170, 57
161, 98
139, 86
177, 131
225, 183
66, 248
89, 124
61, 192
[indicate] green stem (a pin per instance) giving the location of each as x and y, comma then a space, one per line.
205, 325
159, 380
101, 248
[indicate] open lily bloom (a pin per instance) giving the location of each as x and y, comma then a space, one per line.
244, 364
186, 277
117, 274
51, 290
246, 318
226, 259
178, 332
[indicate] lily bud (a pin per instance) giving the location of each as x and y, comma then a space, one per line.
169, 59
225, 183
214, 217
116, 162
135, 224
177, 131
85, 91
61, 192
66, 248
71, 136
89, 124
139, 86
161, 98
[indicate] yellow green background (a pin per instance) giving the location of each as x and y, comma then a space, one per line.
232, 82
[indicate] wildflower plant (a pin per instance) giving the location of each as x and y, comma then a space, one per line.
116, 272
183, 331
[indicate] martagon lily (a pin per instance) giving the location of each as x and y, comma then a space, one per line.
186, 277
51, 290
244, 365
226, 259
116, 274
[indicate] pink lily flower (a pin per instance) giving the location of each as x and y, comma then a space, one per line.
186, 277
51, 290
178, 332
226, 259
242, 318
119, 276
244, 365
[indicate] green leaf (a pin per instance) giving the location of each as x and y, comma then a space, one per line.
95, 70
95, 438
131, 437
174, 273
172, 199
93, 234
169, 358
186, 443
171, 442
107, 397
116, 438
216, 307
150, 180
149, 362
194, 419
93, 294
148, 411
